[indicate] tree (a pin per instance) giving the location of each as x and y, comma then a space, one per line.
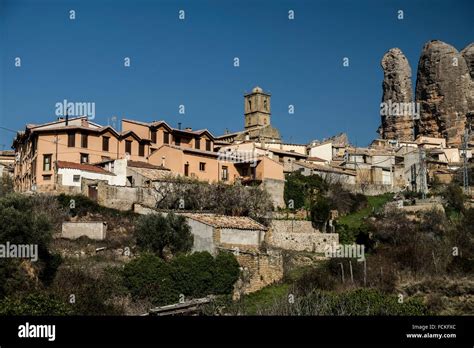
6, 185
303, 189
320, 211
23, 222
454, 197
155, 232
219, 198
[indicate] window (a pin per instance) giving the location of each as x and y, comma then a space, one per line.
177, 141
208, 145
141, 150
128, 146
47, 163
197, 143
84, 141
105, 143
186, 169
84, 158
71, 139
47, 177
76, 178
166, 137
202, 166
225, 173
153, 136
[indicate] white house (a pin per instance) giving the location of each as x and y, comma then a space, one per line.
72, 173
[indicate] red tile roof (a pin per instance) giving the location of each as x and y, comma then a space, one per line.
83, 166
316, 159
139, 164
225, 221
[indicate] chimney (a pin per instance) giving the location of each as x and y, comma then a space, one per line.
163, 161
67, 119
189, 129
179, 125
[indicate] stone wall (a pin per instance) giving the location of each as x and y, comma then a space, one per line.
120, 197
258, 270
299, 235
92, 230
239, 238
275, 188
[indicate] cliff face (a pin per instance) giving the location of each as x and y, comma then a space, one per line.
396, 89
468, 54
444, 89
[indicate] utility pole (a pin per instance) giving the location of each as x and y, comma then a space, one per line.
56, 141
422, 173
465, 164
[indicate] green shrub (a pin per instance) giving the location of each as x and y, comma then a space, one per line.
34, 304
14, 278
155, 232
79, 205
148, 276
194, 275
315, 278
18, 225
226, 273
346, 234
360, 302
454, 197
87, 292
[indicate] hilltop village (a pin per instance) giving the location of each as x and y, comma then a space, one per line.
274, 206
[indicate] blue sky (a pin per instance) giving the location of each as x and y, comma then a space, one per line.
190, 62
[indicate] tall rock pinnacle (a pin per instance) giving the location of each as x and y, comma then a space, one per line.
444, 89
397, 90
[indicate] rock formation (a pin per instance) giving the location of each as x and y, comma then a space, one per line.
397, 119
444, 89
468, 54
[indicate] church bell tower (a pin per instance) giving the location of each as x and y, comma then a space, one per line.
257, 108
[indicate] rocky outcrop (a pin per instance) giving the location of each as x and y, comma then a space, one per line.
444, 89
468, 54
396, 114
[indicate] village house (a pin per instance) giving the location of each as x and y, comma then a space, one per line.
65, 155
39, 148
330, 173
7, 161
